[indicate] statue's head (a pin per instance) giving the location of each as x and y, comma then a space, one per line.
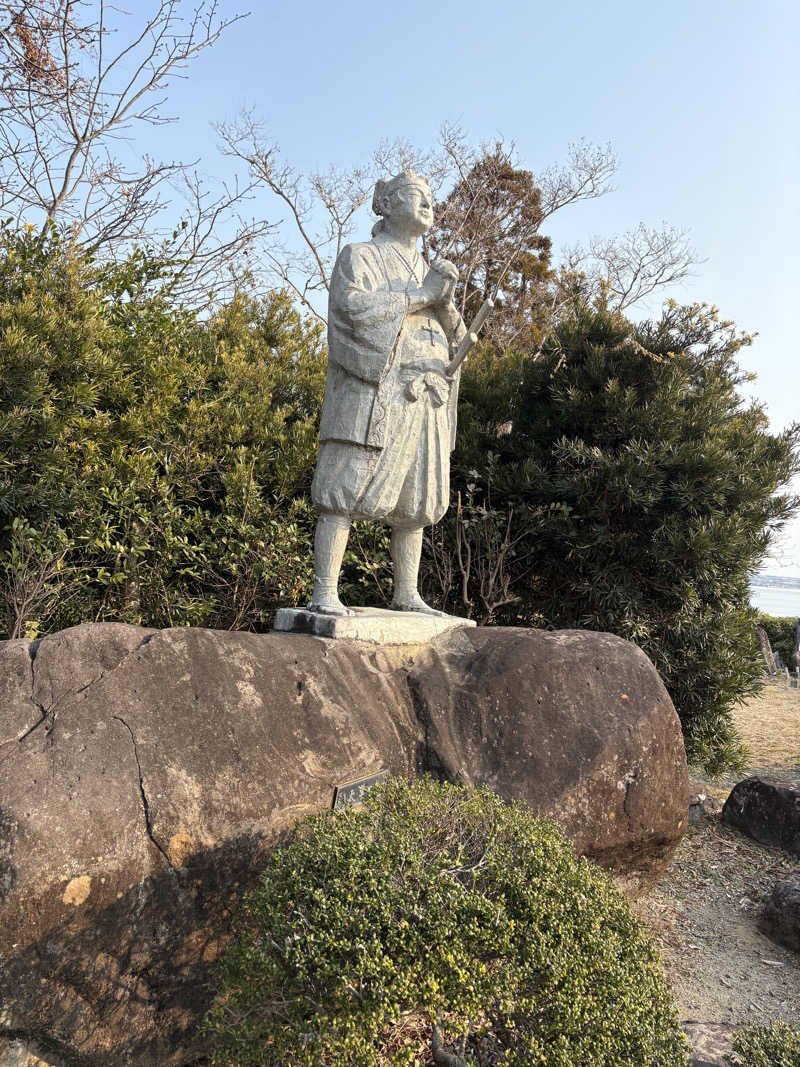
403, 201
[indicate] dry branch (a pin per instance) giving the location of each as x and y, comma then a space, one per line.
67, 94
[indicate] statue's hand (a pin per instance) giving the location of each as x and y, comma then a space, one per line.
445, 267
448, 271
437, 288
433, 289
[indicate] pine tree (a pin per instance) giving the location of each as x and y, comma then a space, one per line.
488, 225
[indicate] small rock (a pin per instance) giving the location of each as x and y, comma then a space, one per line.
710, 1043
781, 918
766, 811
78, 890
701, 808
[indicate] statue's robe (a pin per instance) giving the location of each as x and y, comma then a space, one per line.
387, 430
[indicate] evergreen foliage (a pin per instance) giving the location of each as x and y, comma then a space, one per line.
641, 493
775, 1045
488, 226
154, 467
437, 908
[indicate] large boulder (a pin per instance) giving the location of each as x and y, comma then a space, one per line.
780, 920
767, 811
145, 773
576, 724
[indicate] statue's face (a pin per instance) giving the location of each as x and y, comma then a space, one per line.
411, 207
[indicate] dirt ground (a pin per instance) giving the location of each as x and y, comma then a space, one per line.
704, 910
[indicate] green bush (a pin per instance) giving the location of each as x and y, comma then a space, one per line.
154, 467
776, 1045
781, 633
434, 907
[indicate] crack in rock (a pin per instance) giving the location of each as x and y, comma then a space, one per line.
47, 715
145, 803
430, 760
423, 718
33, 649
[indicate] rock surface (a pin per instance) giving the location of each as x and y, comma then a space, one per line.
781, 918
576, 724
767, 811
24, 1053
710, 1042
145, 774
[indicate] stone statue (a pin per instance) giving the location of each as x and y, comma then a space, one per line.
389, 417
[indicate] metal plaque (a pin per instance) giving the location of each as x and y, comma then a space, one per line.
354, 792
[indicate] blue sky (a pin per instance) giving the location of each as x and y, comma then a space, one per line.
700, 101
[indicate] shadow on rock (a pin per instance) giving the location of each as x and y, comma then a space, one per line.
130, 983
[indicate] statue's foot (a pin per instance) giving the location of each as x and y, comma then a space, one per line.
414, 603
330, 606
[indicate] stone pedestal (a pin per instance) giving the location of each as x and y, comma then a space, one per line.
377, 625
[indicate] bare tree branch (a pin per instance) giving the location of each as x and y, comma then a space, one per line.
630, 267
585, 176
65, 96
320, 209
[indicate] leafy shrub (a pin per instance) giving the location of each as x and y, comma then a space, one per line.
781, 633
153, 467
436, 909
776, 1045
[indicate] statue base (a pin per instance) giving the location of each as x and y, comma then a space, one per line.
378, 625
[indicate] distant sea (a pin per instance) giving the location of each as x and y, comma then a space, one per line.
776, 599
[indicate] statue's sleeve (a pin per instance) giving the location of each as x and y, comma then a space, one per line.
364, 314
